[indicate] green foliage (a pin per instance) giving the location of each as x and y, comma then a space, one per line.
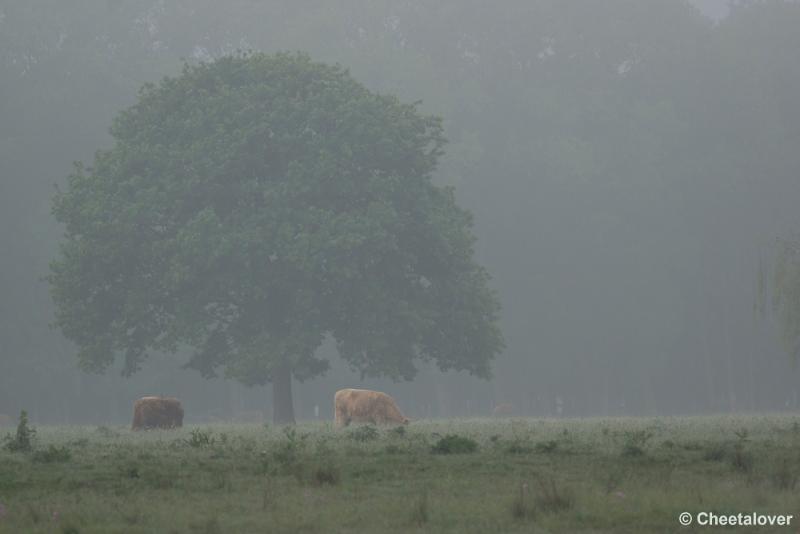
784, 475
420, 511
133, 482
551, 498
716, 452
22, 441
455, 444
255, 204
522, 508
547, 446
635, 442
519, 446
742, 459
200, 438
364, 433
326, 475
398, 431
289, 450
53, 454
106, 432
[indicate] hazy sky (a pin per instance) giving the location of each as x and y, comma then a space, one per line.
715, 9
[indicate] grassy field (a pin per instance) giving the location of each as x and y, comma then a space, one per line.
466, 475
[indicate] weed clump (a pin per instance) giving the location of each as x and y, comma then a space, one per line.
547, 447
519, 447
635, 442
521, 507
715, 453
106, 432
326, 474
398, 432
552, 499
364, 433
455, 444
289, 452
420, 513
200, 438
132, 472
742, 460
784, 477
393, 449
22, 441
53, 454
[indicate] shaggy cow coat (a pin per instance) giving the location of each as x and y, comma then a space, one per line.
157, 412
365, 406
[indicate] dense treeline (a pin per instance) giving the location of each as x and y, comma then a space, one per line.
626, 163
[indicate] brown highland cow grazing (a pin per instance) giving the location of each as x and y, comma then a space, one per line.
503, 410
365, 406
157, 412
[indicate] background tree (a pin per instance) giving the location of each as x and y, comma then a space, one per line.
253, 206
785, 285
624, 163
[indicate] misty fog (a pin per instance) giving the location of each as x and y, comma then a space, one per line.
629, 165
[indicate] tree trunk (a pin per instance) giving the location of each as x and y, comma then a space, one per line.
282, 406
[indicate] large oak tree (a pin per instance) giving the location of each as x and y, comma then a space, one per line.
256, 204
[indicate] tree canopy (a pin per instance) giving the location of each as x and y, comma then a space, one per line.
256, 204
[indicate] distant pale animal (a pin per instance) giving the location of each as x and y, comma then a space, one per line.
157, 412
503, 410
6, 420
366, 406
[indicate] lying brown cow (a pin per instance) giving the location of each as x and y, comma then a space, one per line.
157, 412
365, 406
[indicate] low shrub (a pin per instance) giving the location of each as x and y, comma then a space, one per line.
326, 474
716, 452
548, 446
364, 433
420, 513
53, 454
635, 442
521, 507
784, 476
519, 447
290, 450
22, 441
398, 432
455, 444
552, 499
200, 438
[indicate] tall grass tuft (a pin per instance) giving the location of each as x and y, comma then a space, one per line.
364, 433
53, 454
326, 474
635, 442
22, 441
552, 499
521, 507
742, 460
784, 476
455, 444
420, 513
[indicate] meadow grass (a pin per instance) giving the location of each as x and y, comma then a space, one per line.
521, 475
